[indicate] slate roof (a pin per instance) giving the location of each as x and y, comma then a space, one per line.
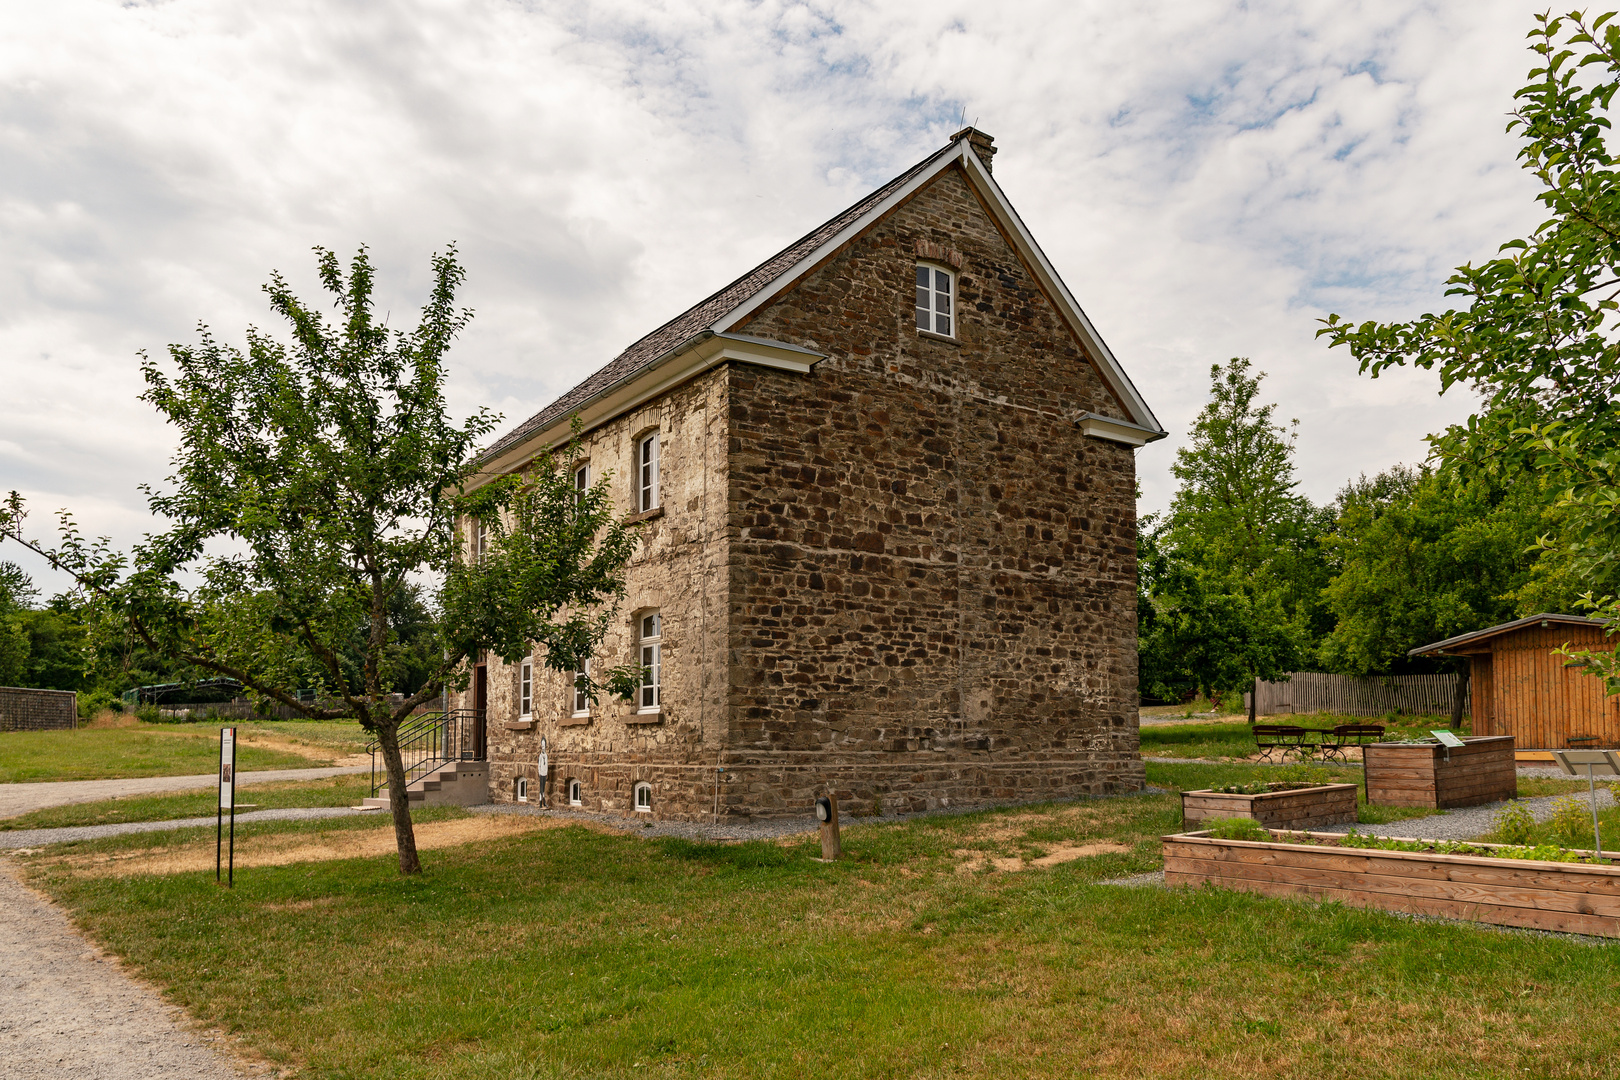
1504, 628
703, 315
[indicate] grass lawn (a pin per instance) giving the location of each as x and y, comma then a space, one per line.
146, 750
333, 791
570, 952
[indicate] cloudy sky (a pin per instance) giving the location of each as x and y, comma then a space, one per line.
1210, 178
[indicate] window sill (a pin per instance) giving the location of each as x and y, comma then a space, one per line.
931, 336
573, 721
653, 717
647, 515
518, 725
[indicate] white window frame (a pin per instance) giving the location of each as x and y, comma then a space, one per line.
576, 793
650, 652
642, 789
480, 539
526, 690
647, 469
582, 482
523, 789
582, 700
930, 295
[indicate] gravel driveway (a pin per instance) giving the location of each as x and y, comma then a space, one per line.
66, 1011
21, 798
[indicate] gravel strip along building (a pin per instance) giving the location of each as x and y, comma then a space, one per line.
886, 488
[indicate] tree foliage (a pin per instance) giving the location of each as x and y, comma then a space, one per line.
318, 494
1229, 582
1537, 339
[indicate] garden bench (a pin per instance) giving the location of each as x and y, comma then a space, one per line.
1344, 736
1282, 740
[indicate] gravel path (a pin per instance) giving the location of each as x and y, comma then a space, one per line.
31, 838
21, 798
1464, 824
67, 1011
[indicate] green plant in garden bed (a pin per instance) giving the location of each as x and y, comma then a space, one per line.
1249, 829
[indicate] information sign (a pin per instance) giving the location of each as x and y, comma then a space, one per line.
1590, 764
227, 801
1447, 738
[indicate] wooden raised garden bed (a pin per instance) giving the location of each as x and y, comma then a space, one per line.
1428, 774
1578, 898
1293, 806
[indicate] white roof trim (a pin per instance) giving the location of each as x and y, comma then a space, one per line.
1113, 373
1115, 430
690, 358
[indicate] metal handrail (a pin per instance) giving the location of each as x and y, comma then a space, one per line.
431, 741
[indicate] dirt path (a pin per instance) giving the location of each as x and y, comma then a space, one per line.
67, 1011
21, 798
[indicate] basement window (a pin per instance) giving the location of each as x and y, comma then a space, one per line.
523, 789
576, 793
936, 291
644, 798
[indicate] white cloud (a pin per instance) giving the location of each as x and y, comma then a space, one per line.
1210, 179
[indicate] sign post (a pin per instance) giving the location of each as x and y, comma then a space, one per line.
1596, 763
227, 801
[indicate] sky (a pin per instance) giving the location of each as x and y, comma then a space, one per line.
1209, 178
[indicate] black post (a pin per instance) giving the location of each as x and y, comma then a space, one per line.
1254, 699
230, 878
219, 835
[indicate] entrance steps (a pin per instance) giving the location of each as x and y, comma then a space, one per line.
455, 783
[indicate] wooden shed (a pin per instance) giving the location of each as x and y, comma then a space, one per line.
1520, 688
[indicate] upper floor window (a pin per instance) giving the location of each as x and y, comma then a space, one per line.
526, 690
647, 473
582, 697
582, 483
652, 662
479, 537
936, 289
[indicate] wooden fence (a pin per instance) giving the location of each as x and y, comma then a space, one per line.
1374, 695
25, 709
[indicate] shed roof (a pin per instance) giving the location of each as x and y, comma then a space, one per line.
720, 311
1451, 643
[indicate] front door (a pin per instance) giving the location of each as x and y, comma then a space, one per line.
481, 707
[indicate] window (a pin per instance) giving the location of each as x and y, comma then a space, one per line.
576, 793
934, 307
647, 473
526, 690
652, 661
644, 798
582, 698
479, 538
582, 483
522, 789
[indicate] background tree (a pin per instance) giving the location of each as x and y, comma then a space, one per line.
16, 591
318, 482
1231, 579
1538, 338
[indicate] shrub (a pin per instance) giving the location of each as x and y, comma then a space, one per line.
1513, 824
1231, 702
1571, 821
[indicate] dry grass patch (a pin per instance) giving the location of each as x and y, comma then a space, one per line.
1055, 856
285, 849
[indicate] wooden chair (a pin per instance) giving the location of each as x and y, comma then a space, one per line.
1282, 740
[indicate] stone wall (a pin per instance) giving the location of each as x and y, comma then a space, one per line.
37, 710
678, 570
933, 577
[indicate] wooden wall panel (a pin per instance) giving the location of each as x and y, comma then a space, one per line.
1534, 697
1479, 689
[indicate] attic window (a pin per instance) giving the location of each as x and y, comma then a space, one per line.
935, 289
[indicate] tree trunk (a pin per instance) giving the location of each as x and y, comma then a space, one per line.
1254, 699
1461, 695
399, 801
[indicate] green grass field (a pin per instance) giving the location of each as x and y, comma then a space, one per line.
111, 753
571, 953
1233, 738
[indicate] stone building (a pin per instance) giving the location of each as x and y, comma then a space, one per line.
887, 487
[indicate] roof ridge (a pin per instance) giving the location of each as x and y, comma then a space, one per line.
708, 311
